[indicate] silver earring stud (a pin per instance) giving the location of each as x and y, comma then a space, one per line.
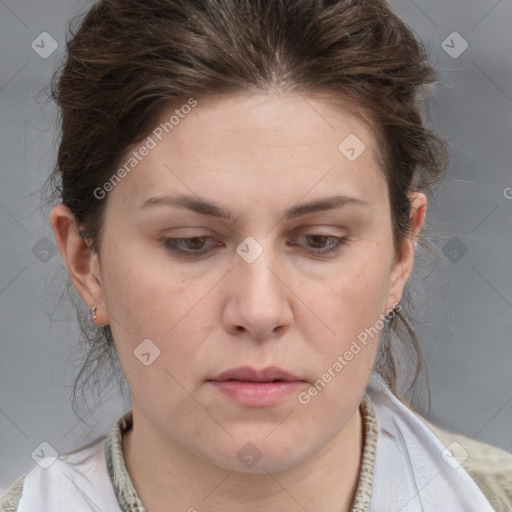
92, 312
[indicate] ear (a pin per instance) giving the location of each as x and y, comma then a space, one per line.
81, 262
404, 262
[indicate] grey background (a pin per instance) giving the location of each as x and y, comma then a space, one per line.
464, 301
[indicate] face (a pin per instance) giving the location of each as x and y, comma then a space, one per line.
272, 283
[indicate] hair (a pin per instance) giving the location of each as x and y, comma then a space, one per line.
130, 60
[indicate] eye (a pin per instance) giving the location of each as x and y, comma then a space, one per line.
197, 246
194, 246
322, 243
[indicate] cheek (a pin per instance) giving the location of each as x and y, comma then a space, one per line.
155, 337
351, 307
144, 291
355, 295
155, 302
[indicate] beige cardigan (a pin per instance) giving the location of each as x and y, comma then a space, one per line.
489, 466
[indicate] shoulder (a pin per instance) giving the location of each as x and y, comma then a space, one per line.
71, 481
489, 466
10, 500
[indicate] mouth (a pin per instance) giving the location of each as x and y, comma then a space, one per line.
248, 387
248, 374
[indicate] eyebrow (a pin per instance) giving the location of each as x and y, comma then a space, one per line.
206, 207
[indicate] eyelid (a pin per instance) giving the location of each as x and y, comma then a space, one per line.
332, 250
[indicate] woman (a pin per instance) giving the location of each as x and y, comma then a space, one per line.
243, 185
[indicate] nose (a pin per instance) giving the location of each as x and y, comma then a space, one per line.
258, 304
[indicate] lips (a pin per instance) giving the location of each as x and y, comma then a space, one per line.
248, 374
248, 387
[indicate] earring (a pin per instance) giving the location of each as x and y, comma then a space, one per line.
92, 312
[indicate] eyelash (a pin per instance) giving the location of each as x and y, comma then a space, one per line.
168, 243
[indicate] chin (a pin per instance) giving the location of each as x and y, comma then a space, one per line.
259, 457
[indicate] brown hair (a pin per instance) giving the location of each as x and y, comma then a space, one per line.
130, 59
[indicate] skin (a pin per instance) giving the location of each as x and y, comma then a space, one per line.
255, 156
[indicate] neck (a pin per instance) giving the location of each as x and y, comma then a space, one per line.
169, 479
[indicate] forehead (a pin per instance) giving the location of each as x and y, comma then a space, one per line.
245, 144
264, 123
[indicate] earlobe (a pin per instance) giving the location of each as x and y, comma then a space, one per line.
81, 262
403, 266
